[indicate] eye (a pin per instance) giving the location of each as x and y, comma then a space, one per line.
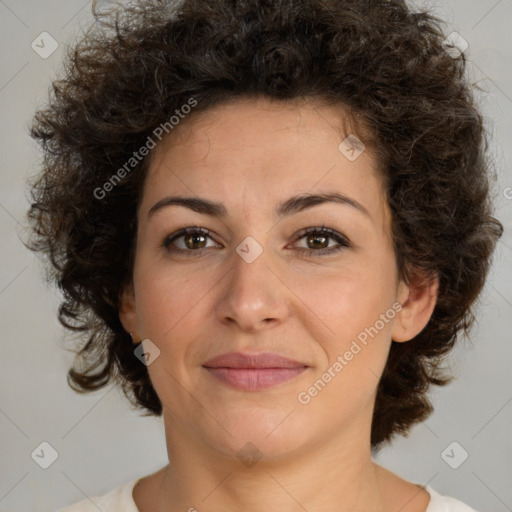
195, 239
192, 239
318, 239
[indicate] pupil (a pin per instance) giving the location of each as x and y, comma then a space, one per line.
316, 237
191, 238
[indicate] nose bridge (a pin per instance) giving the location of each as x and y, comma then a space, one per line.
252, 296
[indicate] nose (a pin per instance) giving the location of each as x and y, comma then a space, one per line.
253, 295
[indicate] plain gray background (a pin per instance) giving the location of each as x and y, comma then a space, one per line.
100, 441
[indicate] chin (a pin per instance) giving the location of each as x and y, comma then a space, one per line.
256, 435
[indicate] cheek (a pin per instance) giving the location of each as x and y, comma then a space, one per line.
347, 302
171, 314
358, 340
167, 297
357, 348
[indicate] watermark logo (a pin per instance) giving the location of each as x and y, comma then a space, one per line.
249, 249
249, 455
147, 352
44, 455
351, 147
44, 45
454, 45
454, 455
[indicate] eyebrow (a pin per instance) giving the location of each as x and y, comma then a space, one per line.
292, 205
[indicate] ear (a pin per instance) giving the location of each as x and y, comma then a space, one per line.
418, 299
127, 309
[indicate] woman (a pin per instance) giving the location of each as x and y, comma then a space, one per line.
272, 220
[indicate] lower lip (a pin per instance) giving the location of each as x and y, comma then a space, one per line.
255, 378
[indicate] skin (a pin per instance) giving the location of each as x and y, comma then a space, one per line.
251, 155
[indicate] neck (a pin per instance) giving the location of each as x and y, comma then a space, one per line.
339, 475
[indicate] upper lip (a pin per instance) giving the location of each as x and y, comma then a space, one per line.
248, 360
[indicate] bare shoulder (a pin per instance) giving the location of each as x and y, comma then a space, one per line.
146, 491
401, 494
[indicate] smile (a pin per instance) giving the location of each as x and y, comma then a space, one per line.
253, 379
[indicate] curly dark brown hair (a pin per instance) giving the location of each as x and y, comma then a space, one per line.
136, 67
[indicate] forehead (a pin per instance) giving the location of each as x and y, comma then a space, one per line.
249, 121
264, 149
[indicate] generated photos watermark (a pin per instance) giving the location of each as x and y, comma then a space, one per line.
304, 397
139, 155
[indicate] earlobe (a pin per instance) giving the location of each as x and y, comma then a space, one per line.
127, 309
419, 298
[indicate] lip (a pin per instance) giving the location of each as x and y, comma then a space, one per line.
240, 360
252, 372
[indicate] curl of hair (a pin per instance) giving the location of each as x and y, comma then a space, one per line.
136, 66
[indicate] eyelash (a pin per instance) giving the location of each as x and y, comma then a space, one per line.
330, 233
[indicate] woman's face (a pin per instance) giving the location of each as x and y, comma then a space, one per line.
256, 283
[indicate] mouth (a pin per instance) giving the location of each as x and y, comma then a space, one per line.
252, 372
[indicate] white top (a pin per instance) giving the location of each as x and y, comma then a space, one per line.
120, 499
